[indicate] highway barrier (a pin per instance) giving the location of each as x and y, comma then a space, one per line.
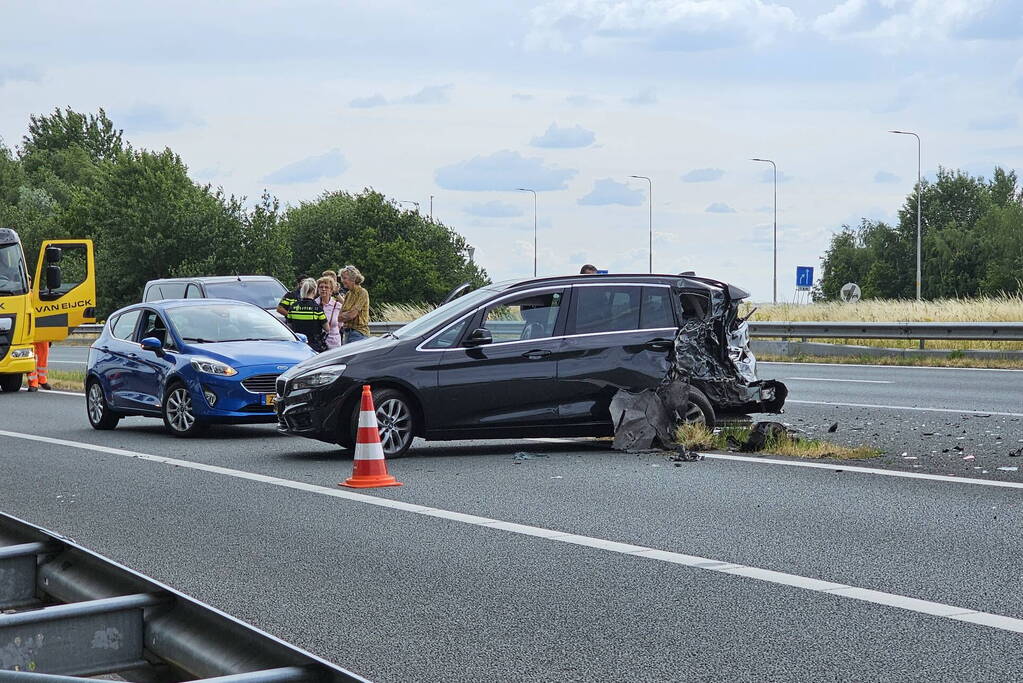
66, 611
982, 331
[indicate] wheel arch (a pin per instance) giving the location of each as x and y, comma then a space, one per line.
418, 416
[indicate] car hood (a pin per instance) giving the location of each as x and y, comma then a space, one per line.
242, 353
346, 352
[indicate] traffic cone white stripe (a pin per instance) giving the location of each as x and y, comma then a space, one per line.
367, 418
369, 451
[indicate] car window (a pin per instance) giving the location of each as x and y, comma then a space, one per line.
124, 324
153, 326
449, 337
531, 316
694, 305
172, 290
262, 293
222, 322
656, 311
193, 292
606, 309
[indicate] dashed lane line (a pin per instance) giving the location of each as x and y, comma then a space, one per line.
902, 602
832, 379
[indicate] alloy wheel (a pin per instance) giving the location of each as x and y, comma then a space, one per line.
95, 400
694, 415
395, 422
179, 410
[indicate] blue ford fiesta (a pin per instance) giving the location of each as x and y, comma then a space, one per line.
191, 361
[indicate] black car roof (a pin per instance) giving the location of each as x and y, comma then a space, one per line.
691, 281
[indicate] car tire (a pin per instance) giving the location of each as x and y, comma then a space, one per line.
10, 382
395, 419
179, 412
699, 409
96, 407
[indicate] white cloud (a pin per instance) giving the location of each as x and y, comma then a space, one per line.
504, 170
995, 122
608, 191
153, 118
312, 168
581, 100
719, 207
564, 138
703, 175
683, 25
645, 96
906, 20
376, 100
10, 73
431, 94
494, 209
885, 177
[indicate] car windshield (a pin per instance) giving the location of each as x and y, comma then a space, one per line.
226, 322
12, 271
262, 293
442, 313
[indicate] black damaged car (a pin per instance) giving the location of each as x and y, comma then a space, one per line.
534, 358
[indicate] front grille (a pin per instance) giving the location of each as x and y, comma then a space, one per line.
6, 336
261, 384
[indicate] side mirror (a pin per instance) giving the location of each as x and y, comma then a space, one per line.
302, 338
152, 344
479, 337
53, 254
52, 276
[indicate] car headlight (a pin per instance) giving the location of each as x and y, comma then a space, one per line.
213, 367
318, 377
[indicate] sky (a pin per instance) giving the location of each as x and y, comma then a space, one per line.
458, 103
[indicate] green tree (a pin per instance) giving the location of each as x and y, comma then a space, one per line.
404, 256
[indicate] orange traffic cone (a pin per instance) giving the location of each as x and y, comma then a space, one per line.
369, 469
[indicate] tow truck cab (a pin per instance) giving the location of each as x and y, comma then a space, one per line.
62, 298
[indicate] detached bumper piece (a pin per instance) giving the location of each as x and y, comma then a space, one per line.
66, 612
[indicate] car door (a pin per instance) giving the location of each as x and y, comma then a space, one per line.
509, 383
148, 370
111, 359
617, 336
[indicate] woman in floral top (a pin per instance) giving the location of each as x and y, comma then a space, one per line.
331, 308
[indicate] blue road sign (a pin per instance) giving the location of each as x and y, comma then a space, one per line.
804, 277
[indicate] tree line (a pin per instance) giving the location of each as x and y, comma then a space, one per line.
972, 243
74, 176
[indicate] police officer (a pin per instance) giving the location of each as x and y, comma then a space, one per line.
306, 316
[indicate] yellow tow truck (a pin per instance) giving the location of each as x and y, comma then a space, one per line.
63, 297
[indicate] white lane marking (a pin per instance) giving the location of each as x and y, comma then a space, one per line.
757, 573
885, 367
866, 470
921, 410
62, 393
829, 379
70, 362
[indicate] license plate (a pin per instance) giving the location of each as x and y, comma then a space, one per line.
270, 399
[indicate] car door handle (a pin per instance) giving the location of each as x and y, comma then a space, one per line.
659, 344
536, 354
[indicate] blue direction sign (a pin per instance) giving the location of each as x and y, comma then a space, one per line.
804, 277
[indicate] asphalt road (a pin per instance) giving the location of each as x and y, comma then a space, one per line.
413, 593
922, 419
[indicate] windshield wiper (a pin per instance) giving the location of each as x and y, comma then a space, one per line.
252, 339
199, 340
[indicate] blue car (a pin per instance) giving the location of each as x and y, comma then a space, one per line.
192, 362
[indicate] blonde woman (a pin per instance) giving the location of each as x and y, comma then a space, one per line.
355, 309
325, 287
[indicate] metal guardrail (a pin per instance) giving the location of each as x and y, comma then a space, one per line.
985, 331
66, 611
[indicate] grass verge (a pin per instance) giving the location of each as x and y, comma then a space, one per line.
67, 380
697, 437
950, 361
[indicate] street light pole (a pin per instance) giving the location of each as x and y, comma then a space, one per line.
431, 207
919, 201
650, 201
775, 166
526, 189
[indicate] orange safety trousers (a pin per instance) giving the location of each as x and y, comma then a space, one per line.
38, 376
